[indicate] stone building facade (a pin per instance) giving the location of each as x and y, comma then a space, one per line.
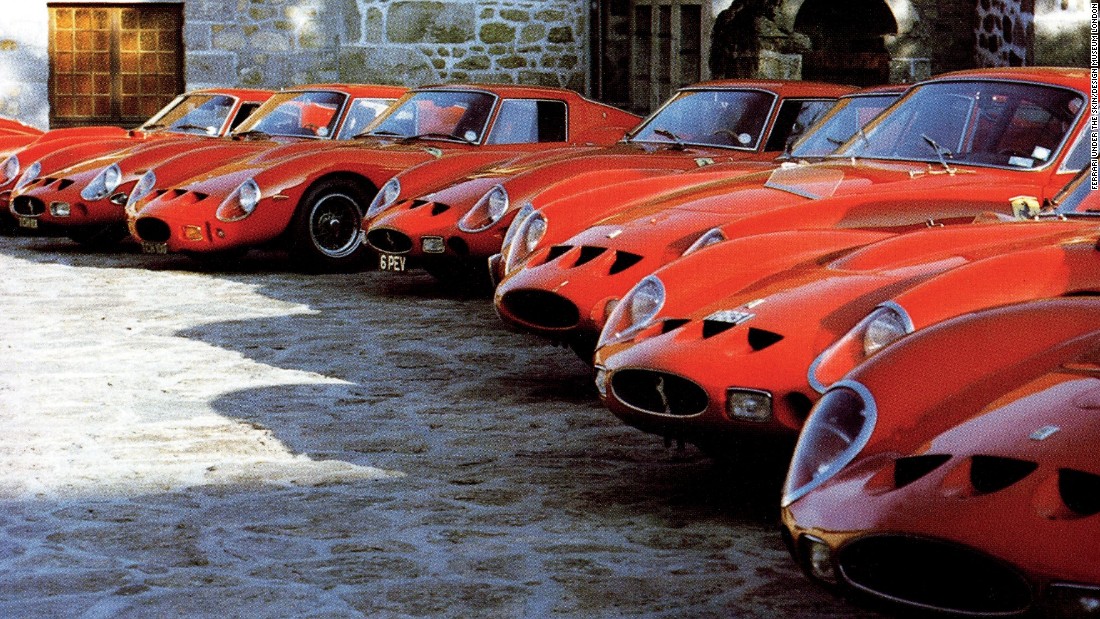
627, 52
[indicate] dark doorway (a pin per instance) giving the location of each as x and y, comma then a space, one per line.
848, 43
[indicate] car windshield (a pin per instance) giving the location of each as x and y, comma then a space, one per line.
201, 113
1079, 199
989, 123
361, 114
310, 114
438, 115
841, 122
723, 118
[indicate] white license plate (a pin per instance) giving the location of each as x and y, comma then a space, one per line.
28, 222
154, 248
389, 262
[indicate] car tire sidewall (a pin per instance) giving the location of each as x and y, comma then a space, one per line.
304, 248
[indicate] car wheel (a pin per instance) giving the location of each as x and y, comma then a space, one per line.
326, 233
98, 237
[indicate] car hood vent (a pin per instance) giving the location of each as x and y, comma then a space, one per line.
439, 208
672, 324
557, 251
992, 473
623, 261
759, 339
1080, 491
910, 469
588, 254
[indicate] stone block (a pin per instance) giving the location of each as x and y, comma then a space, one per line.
228, 38
515, 15
539, 78
532, 33
475, 63
424, 22
563, 34
373, 30
512, 62
353, 21
497, 32
386, 65
550, 15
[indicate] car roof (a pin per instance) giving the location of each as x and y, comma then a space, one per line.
1071, 77
784, 88
355, 90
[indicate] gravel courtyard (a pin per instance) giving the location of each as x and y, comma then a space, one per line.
261, 443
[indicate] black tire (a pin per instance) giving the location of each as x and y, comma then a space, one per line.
326, 232
98, 237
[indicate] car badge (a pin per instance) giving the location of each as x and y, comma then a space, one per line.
660, 387
732, 317
1044, 433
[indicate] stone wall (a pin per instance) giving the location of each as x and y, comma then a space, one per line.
409, 42
24, 65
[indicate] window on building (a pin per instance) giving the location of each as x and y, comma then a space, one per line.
113, 64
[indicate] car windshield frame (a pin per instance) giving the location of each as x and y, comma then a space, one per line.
1069, 199
348, 128
870, 142
841, 112
387, 126
646, 132
254, 123
157, 122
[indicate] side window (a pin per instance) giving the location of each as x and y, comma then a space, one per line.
1081, 152
792, 121
362, 113
243, 112
526, 121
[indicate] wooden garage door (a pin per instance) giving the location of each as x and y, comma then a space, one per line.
113, 64
667, 38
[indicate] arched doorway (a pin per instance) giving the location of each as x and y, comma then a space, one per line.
847, 38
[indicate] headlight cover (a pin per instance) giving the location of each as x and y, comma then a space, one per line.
524, 211
486, 211
708, 238
28, 177
142, 188
527, 238
103, 184
886, 324
240, 203
385, 198
10, 169
837, 429
635, 312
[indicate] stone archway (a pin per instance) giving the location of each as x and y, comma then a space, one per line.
847, 40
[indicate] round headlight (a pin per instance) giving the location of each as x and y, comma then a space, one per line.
10, 169
885, 325
486, 211
524, 211
28, 177
103, 184
240, 203
837, 429
708, 238
385, 198
647, 298
527, 238
142, 188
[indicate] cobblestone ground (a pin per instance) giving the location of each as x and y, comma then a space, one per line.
260, 443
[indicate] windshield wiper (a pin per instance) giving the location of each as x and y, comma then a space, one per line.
665, 133
252, 133
941, 153
436, 135
375, 134
190, 126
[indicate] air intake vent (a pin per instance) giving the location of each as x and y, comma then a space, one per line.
673, 324
588, 254
759, 339
389, 240
557, 251
659, 392
65, 182
934, 574
439, 208
712, 328
1080, 491
417, 203
540, 308
152, 230
909, 470
28, 205
992, 473
623, 261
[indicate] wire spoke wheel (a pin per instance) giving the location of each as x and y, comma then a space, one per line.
334, 224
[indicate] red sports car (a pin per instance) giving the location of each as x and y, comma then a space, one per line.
452, 228
312, 200
87, 199
212, 111
957, 471
952, 147
11, 126
723, 342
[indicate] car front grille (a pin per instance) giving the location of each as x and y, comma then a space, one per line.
660, 393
